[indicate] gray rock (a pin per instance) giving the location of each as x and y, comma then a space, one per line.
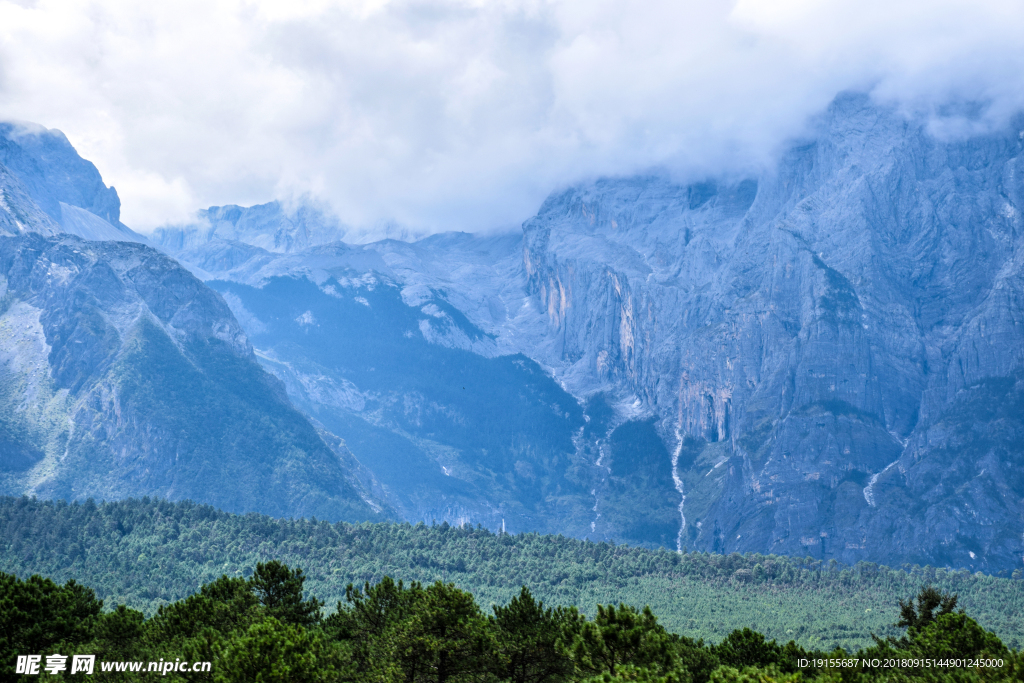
271, 227
825, 333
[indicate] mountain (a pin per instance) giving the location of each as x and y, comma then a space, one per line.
451, 433
270, 226
824, 359
455, 423
65, 187
833, 350
821, 359
122, 374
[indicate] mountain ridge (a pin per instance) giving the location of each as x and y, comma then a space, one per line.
807, 339
122, 374
822, 359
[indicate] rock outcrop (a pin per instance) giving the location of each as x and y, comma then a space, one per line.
833, 350
64, 187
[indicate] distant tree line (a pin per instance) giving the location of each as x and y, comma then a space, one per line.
265, 628
151, 553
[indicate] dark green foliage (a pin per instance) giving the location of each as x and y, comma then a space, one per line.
635, 674
273, 652
936, 631
120, 629
37, 614
617, 637
940, 636
428, 635
743, 648
373, 610
916, 618
695, 658
367, 621
528, 638
956, 635
222, 605
279, 589
728, 674
446, 638
392, 633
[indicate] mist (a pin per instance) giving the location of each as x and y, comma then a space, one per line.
442, 115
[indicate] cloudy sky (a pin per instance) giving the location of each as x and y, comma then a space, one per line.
448, 114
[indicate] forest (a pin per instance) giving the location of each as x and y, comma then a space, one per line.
148, 553
265, 628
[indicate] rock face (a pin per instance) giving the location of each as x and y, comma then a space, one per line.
270, 226
18, 213
65, 187
121, 375
833, 351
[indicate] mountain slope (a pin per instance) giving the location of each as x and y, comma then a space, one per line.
451, 434
66, 187
454, 423
124, 375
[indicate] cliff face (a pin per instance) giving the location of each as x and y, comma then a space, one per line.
833, 350
271, 227
18, 213
53, 174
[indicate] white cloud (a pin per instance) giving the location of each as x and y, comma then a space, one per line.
445, 114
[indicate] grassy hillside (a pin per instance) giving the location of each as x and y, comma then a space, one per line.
147, 553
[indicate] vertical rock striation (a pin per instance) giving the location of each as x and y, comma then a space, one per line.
833, 349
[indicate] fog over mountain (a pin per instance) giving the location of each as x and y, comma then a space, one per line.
442, 115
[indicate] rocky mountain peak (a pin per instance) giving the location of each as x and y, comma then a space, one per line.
272, 227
